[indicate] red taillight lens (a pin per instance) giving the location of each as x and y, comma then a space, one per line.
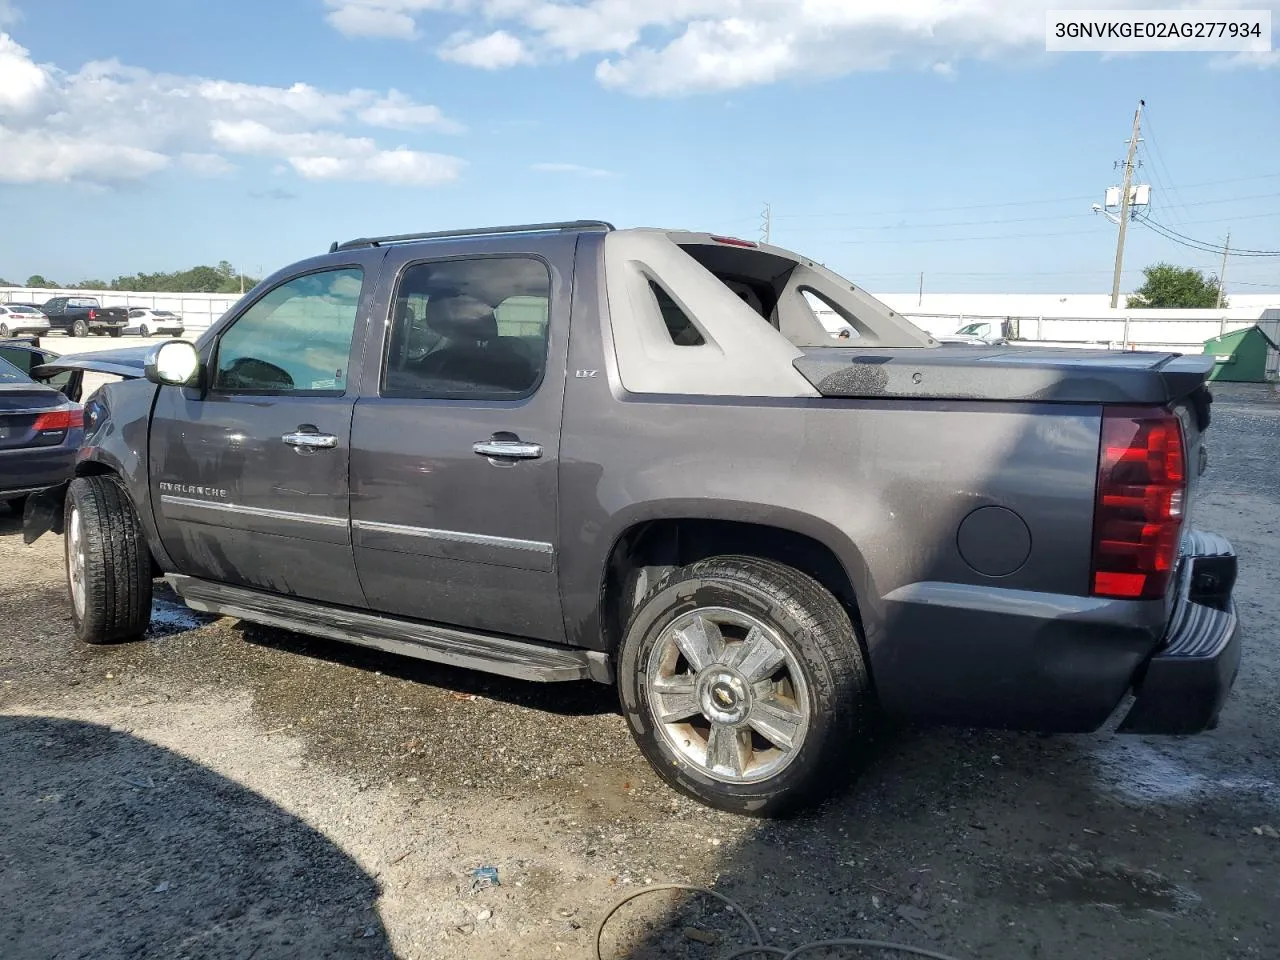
734, 241
93, 314
60, 420
1139, 504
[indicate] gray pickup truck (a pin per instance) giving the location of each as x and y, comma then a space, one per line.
565, 451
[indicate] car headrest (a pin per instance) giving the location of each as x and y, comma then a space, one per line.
462, 318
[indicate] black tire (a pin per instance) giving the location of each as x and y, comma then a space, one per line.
823, 644
143, 331
79, 329
4, 331
116, 331
116, 571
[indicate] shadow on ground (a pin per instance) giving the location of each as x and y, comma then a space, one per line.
114, 847
568, 699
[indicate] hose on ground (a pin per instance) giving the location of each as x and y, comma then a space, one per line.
757, 947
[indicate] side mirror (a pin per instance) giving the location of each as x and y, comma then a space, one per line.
174, 363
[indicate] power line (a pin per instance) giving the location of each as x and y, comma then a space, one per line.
1202, 245
1023, 203
1219, 247
1158, 154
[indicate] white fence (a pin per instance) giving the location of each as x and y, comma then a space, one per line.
198, 310
1151, 329
1183, 331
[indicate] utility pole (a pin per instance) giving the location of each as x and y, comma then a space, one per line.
920, 295
766, 223
1124, 203
1222, 274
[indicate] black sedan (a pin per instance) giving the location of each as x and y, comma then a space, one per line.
40, 430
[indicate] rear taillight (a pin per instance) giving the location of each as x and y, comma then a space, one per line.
59, 420
93, 314
1140, 503
734, 241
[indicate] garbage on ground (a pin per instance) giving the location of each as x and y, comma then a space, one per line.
483, 878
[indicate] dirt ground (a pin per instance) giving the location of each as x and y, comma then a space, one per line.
223, 790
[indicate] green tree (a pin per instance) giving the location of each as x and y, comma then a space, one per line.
1167, 287
35, 280
89, 285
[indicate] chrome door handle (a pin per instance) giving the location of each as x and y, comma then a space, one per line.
508, 449
312, 441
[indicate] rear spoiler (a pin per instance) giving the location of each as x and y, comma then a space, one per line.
129, 363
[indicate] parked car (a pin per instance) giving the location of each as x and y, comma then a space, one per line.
566, 451
41, 427
144, 321
980, 333
81, 316
18, 318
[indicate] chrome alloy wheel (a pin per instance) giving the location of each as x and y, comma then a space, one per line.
75, 561
728, 695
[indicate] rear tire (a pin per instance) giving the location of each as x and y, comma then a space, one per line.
79, 329
768, 722
143, 331
115, 331
4, 331
108, 562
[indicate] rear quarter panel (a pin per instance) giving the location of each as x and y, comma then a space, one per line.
885, 486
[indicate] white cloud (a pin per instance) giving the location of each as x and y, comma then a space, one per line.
23, 84
333, 156
675, 47
1260, 59
54, 124
396, 111
573, 168
410, 168
494, 51
383, 18
358, 20
32, 157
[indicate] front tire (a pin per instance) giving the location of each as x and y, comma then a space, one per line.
744, 685
108, 563
4, 331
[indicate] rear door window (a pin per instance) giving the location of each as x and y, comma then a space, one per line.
469, 330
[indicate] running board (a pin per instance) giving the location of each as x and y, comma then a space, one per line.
506, 656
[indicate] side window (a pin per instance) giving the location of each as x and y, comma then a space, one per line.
294, 339
134, 314
469, 330
681, 329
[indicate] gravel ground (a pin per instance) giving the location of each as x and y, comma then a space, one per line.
224, 790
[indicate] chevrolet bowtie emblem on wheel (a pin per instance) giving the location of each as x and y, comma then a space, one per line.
723, 695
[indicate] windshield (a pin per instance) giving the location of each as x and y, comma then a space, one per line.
975, 329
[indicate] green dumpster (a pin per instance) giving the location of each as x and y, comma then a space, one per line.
1240, 356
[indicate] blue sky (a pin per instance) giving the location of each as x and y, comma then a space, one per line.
890, 137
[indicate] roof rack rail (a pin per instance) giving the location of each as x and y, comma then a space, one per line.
563, 226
